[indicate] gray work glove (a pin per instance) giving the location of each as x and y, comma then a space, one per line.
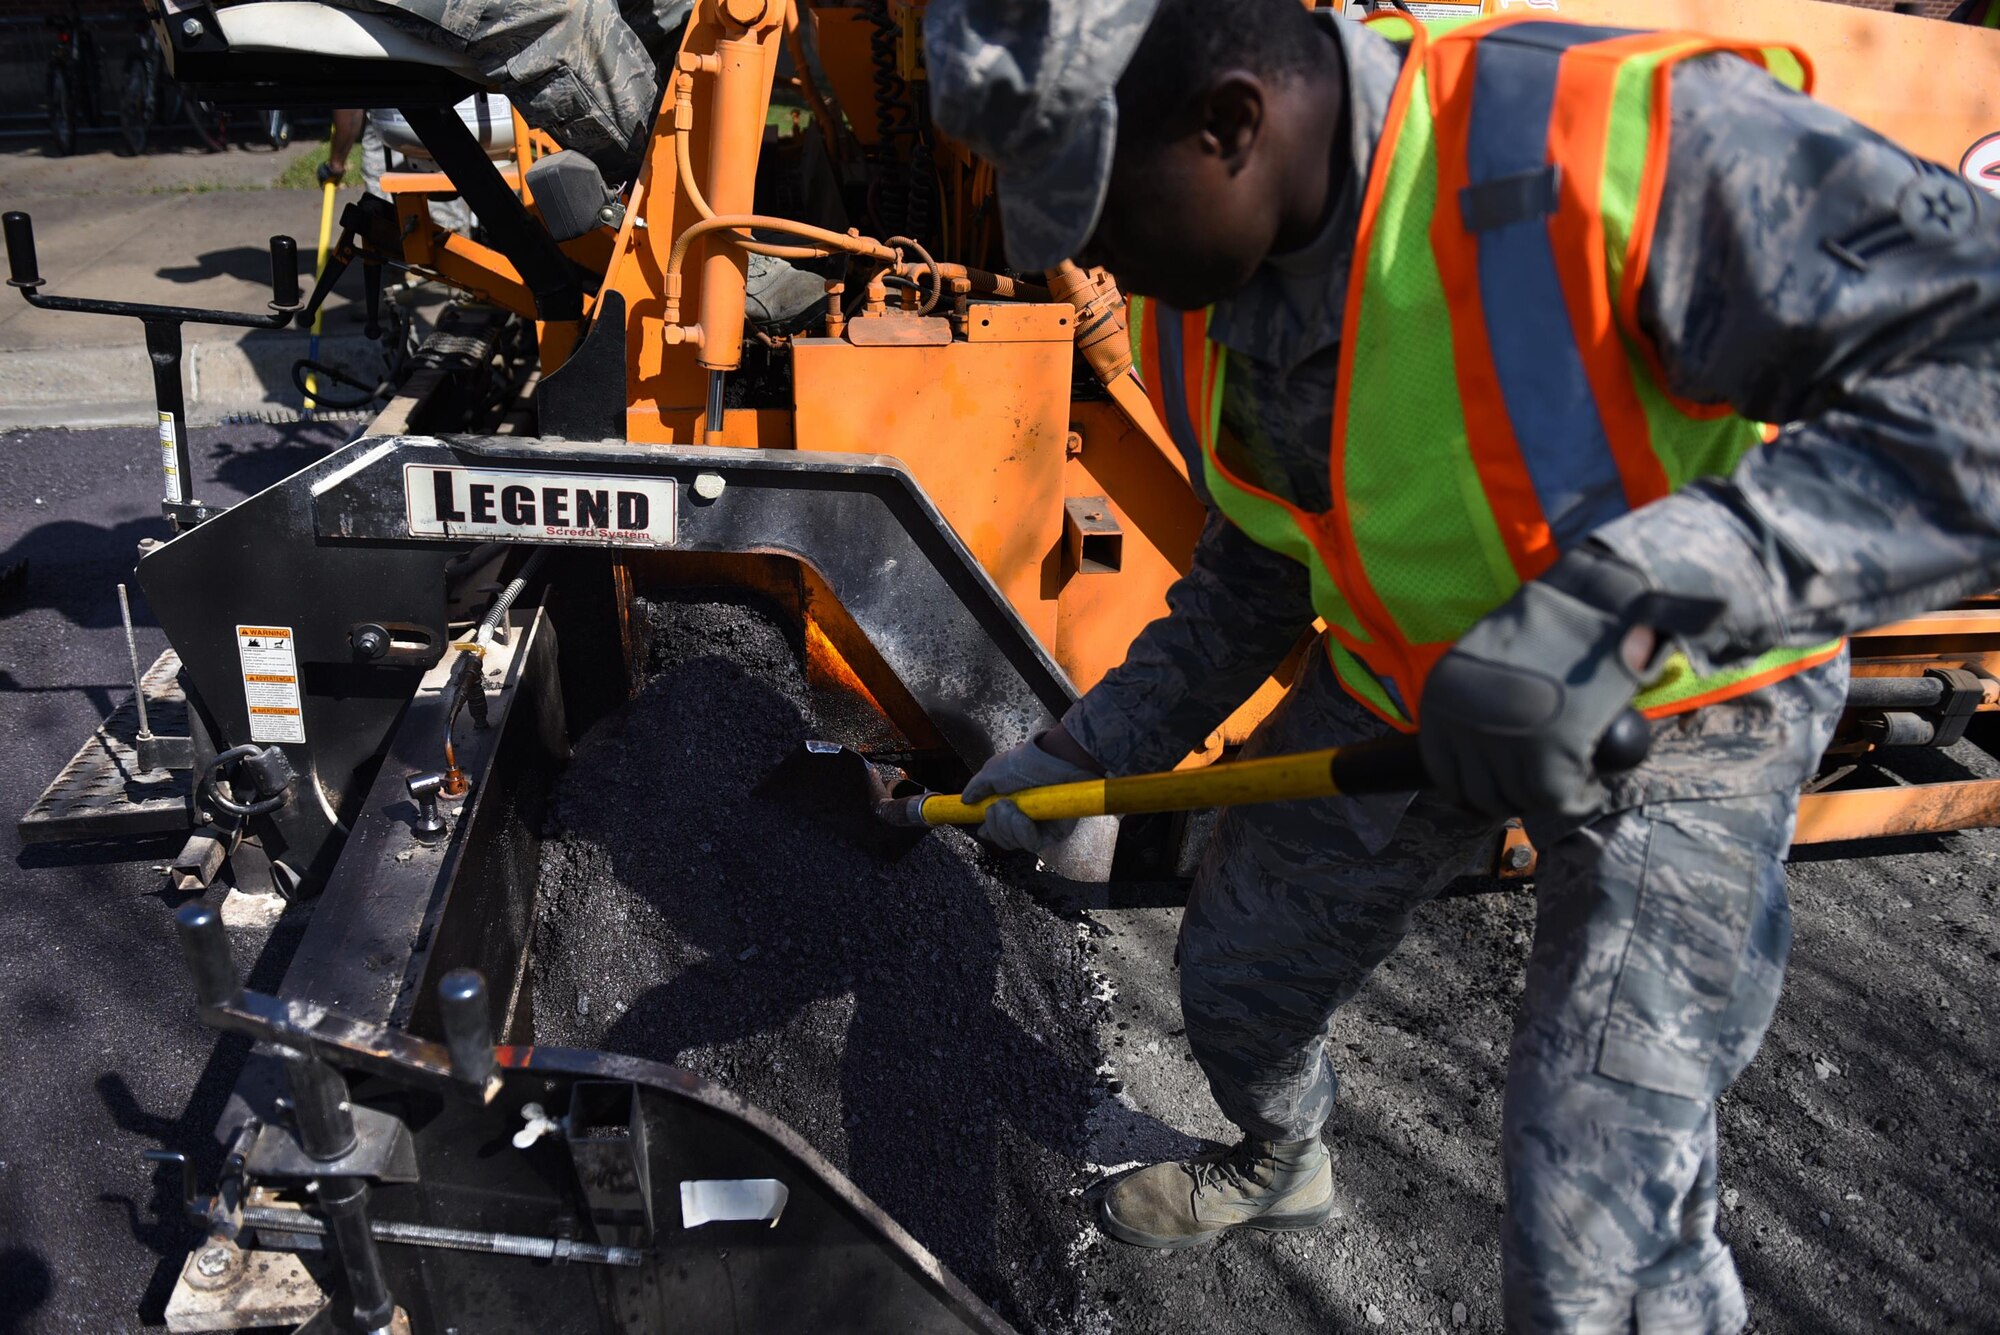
1023, 766
1512, 715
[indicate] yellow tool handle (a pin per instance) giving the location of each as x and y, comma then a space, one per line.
1389, 764
325, 242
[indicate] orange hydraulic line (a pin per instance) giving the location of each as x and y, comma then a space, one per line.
993, 284
683, 159
832, 242
735, 133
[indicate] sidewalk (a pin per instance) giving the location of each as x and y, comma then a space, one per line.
180, 227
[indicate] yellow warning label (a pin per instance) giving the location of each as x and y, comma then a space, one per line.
271, 683
170, 459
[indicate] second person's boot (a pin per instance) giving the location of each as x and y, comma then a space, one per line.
1264, 1184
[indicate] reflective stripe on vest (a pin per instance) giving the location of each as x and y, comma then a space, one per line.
1497, 400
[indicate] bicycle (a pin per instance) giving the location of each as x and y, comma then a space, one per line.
73, 80
151, 98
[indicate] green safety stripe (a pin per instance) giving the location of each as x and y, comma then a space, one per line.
1687, 447
1359, 682
1678, 682
1406, 421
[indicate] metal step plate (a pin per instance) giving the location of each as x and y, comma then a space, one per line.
101, 793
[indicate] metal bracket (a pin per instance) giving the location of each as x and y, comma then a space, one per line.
606, 1128
1093, 543
157, 752
584, 398
1963, 692
383, 1151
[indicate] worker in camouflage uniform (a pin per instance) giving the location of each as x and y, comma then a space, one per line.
586, 72
1479, 392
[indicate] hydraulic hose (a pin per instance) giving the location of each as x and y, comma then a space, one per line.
498, 612
827, 243
683, 158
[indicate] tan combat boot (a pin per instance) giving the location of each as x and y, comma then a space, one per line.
1259, 1184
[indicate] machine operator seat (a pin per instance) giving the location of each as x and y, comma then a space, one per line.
296, 53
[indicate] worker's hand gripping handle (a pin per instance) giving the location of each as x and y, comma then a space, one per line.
1395, 764
1392, 764
1624, 745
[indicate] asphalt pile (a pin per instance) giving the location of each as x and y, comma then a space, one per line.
925, 1021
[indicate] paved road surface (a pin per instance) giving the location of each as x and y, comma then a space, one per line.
180, 228
101, 1054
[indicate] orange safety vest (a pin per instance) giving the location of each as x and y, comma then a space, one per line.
1497, 401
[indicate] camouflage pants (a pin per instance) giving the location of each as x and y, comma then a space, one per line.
1661, 935
584, 71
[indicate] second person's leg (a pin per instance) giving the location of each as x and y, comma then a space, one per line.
1294, 905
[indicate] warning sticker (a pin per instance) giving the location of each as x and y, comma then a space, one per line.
1433, 11
169, 463
271, 683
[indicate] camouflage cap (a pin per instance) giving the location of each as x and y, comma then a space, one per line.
1030, 85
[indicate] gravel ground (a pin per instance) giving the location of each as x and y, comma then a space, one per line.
932, 1026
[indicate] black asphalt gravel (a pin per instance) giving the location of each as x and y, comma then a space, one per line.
925, 1024
938, 1026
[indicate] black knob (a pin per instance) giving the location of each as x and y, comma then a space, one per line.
284, 273
206, 948
429, 825
468, 1028
370, 640
1624, 744
20, 231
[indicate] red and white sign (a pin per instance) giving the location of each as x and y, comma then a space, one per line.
1981, 164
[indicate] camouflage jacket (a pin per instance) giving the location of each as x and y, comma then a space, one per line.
1804, 270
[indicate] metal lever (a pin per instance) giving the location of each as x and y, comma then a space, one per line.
163, 346
429, 825
20, 232
138, 678
195, 1208
321, 1114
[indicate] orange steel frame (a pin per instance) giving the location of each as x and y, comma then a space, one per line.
989, 419
985, 411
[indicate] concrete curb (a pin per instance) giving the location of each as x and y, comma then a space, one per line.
111, 386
